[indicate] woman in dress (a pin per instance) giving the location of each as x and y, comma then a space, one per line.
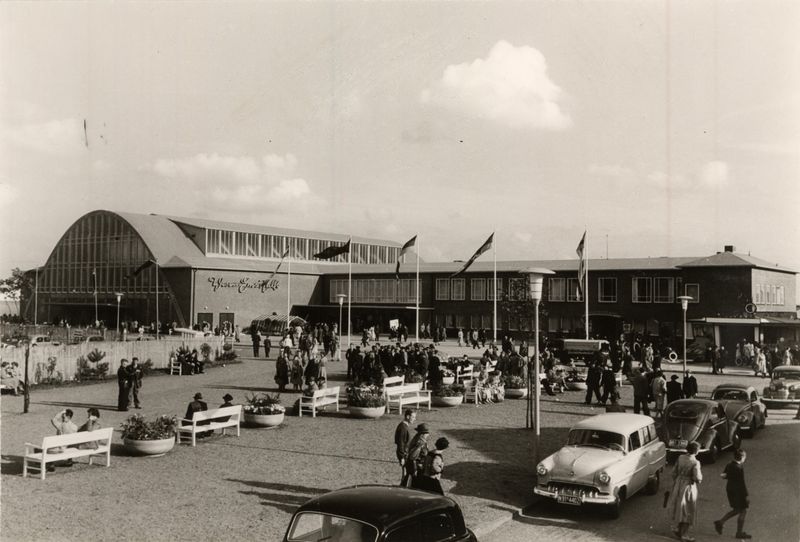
761, 363
682, 503
282, 372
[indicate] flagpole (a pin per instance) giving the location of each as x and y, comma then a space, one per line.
417, 288
349, 288
494, 308
94, 276
157, 326
289, 294
586, 281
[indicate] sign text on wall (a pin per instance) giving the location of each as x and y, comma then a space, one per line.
244, 284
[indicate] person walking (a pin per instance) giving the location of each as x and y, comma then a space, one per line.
592, 384
417, 451
737, 494
682, 502
761, 363
689, 385
255, 335
609, 379
674, 390
135, 374
267, 346
640, 390
123, 382
282, 371
659, 392
402, 437
430, 480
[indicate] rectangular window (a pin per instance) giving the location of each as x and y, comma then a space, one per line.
517, 289
556, 289
225, 242
781, 295
642, 290
457, 289
477, 290
664, 290
474, 321
461, 320
572, 290
486, 321
497, 291
633, 441
693, 291
607, 290
442, 289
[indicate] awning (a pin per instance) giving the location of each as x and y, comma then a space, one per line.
274, 323
730, 321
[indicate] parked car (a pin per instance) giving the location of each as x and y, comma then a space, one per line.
784, 388
374, 513
42, 340
741, 403
607, 459
701, 420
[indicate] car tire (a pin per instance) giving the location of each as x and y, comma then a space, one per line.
615, 509
653, 483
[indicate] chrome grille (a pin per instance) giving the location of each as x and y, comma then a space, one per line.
573, 490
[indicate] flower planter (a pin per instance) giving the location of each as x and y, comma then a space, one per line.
264, 420
447, 380
149, 447
451, 401
575, 386
366, 412
516, 393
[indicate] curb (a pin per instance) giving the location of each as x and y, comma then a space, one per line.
486, 528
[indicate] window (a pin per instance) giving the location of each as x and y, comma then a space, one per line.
457, 287
607, 290
556, 290
477, 289
781, 295
693, 291
572, 290
653, 432
497, 291
664, 290
642, 290
442, 289
437, 527
634, 441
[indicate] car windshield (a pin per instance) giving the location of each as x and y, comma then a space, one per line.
591, 437
317, 527
786, 375
687, 411
730, 395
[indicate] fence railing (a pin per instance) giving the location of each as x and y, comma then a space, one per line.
48, 361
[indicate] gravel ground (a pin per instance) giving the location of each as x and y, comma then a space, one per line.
247, 487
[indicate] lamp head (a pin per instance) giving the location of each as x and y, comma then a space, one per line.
535, 281
685, 301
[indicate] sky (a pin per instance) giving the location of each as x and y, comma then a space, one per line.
663, 128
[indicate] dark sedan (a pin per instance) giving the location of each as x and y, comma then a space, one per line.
378, 514
700, 420
741, 403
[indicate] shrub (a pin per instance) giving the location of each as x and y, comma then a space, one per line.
514, 382
136, 427
365, 396
412, 377
264, 404
89, 367
228, 353
453, 390
47, 374
205, 350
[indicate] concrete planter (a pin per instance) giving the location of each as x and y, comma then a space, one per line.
447, 380
264, 420
575, 386
366, 412
516, 393
149, 447
455, 400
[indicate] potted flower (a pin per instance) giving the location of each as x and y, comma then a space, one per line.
264, 410
448, 377
144, 437
575, 381
516, 387
448, 396
366, 401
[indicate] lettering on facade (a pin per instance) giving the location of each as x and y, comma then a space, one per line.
245, 284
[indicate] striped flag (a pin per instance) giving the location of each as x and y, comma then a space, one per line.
484, 247
285, 254
409, 244
333, 251
582, 264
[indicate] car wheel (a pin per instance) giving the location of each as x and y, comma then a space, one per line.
615, 509
713, 453
653, 483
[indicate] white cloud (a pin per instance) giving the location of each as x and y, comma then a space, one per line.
59, 136
714, 173
510, 86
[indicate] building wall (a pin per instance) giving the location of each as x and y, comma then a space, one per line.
724, 292
772, 278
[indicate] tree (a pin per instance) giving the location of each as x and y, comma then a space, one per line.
517, 305
13, 286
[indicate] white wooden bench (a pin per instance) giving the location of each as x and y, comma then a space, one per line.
463, 373
400, 394
62, 447
470, 391
175, 367
323, 397
209, 420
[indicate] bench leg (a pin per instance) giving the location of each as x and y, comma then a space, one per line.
314, 411
42, 469
25, 468
238, 429
194, 441
108, 456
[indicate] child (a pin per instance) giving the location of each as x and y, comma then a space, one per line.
737, 494
297, 373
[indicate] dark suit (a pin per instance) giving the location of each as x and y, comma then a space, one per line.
402, 437
124, 388
689, 386
674, 391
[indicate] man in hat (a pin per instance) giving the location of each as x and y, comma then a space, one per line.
689, 385
402, 436
674, 389
197, 405
227, 398
417, 451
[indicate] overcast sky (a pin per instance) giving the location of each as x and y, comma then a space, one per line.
671, 128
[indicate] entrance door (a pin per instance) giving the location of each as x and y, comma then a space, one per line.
204, 318
226, 321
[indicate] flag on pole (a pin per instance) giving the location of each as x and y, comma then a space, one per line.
142, 267
484, 247
582, 264
285, 254
333, 251
410, 243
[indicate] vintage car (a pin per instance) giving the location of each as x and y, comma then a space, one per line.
373, 513
607, 459
784, 388
742, 404
701, 420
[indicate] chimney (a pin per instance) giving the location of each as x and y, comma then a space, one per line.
730, 248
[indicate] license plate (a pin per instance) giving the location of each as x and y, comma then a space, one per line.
569, 499
679, 442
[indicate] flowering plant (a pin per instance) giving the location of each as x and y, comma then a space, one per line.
263, 404
514, 382
452, 390
365, 396
136, 427
447, 372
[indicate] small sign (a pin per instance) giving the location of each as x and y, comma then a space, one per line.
394, 324
751, 308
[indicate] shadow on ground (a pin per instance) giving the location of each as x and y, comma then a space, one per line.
76, 405
284, 497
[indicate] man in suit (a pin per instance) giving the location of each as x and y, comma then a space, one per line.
256, 337
402, 436
135, 380
689, 385
197, 405
593, 383
123, 382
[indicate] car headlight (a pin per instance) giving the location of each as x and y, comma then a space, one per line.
604, 477
541, 470
791, 388
742, 418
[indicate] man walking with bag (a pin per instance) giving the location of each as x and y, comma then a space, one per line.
402, 436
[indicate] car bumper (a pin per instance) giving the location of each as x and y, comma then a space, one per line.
585, 499
787, 402
683, 451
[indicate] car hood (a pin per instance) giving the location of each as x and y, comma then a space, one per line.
581, 463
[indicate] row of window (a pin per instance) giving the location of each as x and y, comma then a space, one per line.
375, 290
769, 294
480, 289
260, 245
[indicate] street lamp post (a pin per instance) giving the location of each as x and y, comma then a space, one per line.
119, 298
535, 282
684, 299
340, 297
